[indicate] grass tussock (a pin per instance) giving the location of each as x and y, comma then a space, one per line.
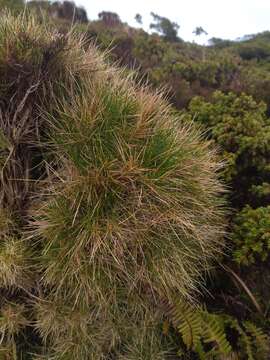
116, 200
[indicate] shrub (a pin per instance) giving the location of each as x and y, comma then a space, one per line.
240, 127
14, 5
113, 202
251, 236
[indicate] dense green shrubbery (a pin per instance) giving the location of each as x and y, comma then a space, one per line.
251, 235
13, 5
241, 129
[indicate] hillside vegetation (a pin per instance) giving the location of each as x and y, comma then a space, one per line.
112, 202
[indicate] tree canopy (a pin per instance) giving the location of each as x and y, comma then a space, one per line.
165, 27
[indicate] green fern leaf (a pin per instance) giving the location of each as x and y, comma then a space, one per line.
259, 339
214, 332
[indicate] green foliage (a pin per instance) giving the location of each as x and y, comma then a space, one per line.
206, 334
255, 47
252, 342
220, 43
200, 330
260, 341
251, 235
13, 5
240, 127
185, 69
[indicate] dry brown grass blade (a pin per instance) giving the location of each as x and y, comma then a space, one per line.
245, 287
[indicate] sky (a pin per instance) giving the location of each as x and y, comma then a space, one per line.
226, 19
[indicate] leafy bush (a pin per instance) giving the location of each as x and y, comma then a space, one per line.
251, 235
240, 127
14, 5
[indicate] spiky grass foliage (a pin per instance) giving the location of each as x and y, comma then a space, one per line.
13, 321
116, 197
14, 256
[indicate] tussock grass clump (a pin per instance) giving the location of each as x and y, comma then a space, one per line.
115, 200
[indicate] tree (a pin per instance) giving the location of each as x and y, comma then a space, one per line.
199, 31
165, 27
66, 10
69, 11
138, 18
110, 19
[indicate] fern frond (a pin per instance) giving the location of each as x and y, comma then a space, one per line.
259, 338
197, 327
214, 332
189, 324
204, 333
245, 340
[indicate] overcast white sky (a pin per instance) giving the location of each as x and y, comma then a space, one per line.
227, 19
